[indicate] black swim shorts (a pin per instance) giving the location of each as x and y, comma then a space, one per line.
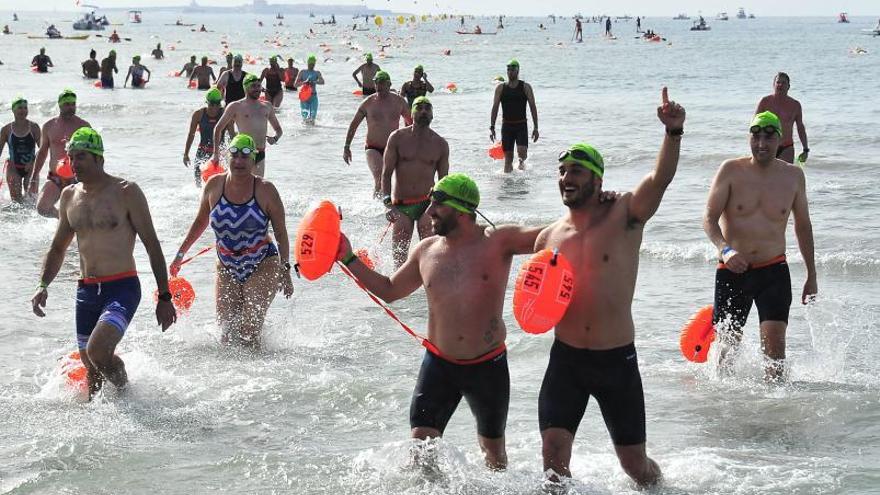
441, 385
611, 376
769, 286
514, 133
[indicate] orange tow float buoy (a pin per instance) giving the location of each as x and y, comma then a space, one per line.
305, 92
358, 92
452, 87
496, 152
210, 169
697, 336
63, 168
543, 291
182, 293
191, 84
317, 241
98, 84
75, 373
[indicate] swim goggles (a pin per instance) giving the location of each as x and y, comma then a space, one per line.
768, 130
243, 150
583, 158
439, 196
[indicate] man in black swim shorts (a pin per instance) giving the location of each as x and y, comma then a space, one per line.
513, 96
754, 197
466, 355
594, 352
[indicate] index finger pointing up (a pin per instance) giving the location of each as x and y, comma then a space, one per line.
665, 94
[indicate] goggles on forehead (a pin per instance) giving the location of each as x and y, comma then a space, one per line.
442, 196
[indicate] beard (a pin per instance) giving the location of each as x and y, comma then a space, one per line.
581, 197
443, 226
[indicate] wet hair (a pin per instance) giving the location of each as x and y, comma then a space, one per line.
783, 74
93, 54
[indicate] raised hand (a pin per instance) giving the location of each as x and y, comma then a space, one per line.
670, 113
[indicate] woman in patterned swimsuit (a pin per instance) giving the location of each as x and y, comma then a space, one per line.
250, 269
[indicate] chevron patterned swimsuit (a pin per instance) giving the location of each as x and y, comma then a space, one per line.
242, 232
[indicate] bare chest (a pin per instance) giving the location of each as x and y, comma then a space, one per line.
771, 199
102, 213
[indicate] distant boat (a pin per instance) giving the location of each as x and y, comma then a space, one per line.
311, 14
700, 26
751, 16
681, 17
723, 16
135, 16
279, 16
741, 14
624, 18
842, 18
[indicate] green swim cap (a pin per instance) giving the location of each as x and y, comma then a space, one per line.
213, 96
368, 56
19, 102
312, 59
381, 76
136, 57
586, 156
463, 192
421, 100
250, 79
513, 63
237, 58
244, 141
86, 139
67, 96
112, 53
419, 67
765, 119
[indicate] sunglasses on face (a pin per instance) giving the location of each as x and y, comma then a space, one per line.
768, 130
243, 150
578, 154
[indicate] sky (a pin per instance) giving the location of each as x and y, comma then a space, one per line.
527, 7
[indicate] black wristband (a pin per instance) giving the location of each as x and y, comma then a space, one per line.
349, 259
165, 296
675, 132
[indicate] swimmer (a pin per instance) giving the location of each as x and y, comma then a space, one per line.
789, 112
22, 136
229, 63
114, 37
250, 268
419, 86
383, 112
204, 120
513, 96
746, 218
136, 72
53, 141
157, 52
464, 269
290, 75
251, 117
105, 213
230, 82
42, 61
594, 352
204, 74
273, 76
91, 67
368, 71
312, 77
608, 27
188, 67
108, 67
413, 156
